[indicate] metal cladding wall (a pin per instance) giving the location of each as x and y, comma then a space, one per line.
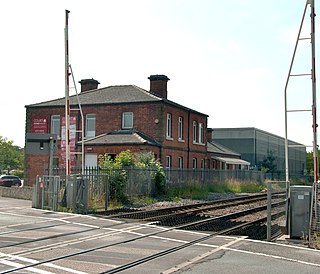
253, 144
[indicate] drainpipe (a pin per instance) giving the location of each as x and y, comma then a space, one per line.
188, 146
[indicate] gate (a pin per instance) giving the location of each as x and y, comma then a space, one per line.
46, 192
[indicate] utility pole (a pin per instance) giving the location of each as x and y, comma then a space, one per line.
314, 95
67, 103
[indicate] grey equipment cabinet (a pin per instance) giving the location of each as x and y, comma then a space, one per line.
300, 210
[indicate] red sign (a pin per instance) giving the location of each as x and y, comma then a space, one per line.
72, 142
39, 125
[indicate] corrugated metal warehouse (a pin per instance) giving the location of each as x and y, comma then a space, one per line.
254, 145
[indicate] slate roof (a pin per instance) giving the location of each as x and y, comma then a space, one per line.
220, 149
107, 95
122, 137
122, 94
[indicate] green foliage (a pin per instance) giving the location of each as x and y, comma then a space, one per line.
125, 159
268, 164
19, 173
11, 156
160, 182
198, 191
117, 171
309, 163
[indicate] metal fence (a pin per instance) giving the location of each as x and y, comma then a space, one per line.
208, 176
46, 192
102, 185
315, 219
277, 209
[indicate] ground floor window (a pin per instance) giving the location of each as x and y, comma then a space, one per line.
168, 161
91, 160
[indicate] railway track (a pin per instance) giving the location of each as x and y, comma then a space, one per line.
214, 216
207, 219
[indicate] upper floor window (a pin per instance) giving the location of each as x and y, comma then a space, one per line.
127, 120
180, 129
169, 125
55, 124
90, 125
201, 133
195, 131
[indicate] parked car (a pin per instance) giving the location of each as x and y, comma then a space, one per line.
10, 180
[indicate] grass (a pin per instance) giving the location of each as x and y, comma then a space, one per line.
316, 240
192, 190
199, 191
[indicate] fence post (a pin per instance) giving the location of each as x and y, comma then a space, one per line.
269, 197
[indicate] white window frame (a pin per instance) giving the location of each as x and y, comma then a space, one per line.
55, 125
195, 129
90, 118
201, 133
124, 121
180, 128
180, 162
169, 126
194, 163
91, 160
202, 163
168, 161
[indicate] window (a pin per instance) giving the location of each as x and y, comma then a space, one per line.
194, 163
91, 160
169, 125
180, 129
201, 134
202, 163
195, 129
180, 162
168, 162
127, 120
55, 124
90, 125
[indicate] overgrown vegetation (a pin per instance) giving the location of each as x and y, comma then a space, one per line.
117, 173
268, 164
199, 191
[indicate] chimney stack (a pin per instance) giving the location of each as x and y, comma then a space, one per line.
209, 134
158, 85
88, 84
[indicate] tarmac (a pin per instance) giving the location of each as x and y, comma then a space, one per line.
19, 246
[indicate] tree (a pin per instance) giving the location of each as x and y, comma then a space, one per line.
11, 156
309, 162
268, 164
117, 171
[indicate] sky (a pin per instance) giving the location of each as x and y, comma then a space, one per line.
227, 59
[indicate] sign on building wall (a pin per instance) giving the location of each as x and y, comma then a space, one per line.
72, 142
39, 125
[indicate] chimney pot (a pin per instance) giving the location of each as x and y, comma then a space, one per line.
158, 85
88, 84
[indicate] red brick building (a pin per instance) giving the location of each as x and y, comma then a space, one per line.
118, 118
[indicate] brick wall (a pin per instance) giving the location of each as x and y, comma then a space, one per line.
149, 118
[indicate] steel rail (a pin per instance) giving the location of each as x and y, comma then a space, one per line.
132, 240
180, 247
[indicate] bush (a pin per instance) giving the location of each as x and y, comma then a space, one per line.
160, 183
117, 171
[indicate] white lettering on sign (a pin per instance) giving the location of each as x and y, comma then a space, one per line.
300, 197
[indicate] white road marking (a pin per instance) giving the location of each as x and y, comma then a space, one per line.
273, 256
200, 257
35, 261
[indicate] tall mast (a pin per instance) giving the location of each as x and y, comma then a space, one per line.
67, 103
314, 97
